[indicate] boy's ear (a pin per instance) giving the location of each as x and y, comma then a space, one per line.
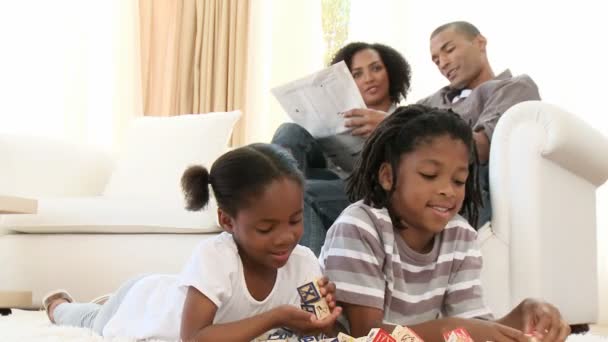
225, 220
385, 176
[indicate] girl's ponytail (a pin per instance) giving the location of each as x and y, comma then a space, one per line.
195, 185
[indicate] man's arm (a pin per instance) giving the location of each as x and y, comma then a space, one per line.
483, 146
510, 92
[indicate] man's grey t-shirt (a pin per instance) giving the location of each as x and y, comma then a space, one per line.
484, 105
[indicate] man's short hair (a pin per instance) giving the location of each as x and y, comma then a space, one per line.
464, 27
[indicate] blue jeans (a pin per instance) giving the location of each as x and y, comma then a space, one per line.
485, 212
324, 192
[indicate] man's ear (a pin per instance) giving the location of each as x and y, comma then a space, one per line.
385, 176
226, 221
481, 42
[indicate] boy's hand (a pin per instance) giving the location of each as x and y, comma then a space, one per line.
305, 323
543, 320
481, 330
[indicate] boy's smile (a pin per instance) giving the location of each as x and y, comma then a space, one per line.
430, 188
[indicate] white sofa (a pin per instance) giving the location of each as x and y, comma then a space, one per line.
102, 220
545, 167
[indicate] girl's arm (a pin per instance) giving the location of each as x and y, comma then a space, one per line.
197, 322
199, 312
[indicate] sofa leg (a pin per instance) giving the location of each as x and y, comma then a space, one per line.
579, 328
5, 312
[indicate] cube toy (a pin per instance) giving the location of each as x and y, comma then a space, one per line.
457, 335
405, 334
310, 295
308, 307
307, 339
321, 309
280, 335
309, 292
379, 335
345, 338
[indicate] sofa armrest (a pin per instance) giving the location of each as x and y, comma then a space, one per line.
560, 137
545, 168
44, 167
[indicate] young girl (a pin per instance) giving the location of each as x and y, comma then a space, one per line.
402, 255
236, 286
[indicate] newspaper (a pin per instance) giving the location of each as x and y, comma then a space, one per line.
317, 103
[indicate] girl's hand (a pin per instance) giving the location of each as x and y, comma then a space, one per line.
305, 323
363, 121
328, 291
543, 321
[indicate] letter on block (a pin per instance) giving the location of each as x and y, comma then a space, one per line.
379, 335
457, 335
309, 293
345, 338
405, 334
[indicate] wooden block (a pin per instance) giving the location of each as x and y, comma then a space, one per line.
313, 302
321, 309
345, 338
279, 335
307, 339
379, 335
405, 334
457, 335
309, 307
309, 292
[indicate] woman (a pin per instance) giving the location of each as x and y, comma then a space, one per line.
383, 78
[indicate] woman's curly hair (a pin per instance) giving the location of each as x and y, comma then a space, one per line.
398, 69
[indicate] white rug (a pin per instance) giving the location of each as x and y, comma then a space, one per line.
24, 326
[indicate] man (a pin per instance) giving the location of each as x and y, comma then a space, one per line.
475, 92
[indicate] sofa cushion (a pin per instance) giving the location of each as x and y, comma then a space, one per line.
112, 215
157, 150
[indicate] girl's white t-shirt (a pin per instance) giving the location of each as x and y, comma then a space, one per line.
152, 308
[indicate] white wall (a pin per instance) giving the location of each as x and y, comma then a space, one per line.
285, 43
69, 68
561, 44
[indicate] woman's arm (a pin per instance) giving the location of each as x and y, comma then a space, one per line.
199, 312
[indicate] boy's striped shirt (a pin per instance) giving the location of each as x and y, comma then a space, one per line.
372, 266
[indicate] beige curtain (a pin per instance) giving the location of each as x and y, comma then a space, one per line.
194, 57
